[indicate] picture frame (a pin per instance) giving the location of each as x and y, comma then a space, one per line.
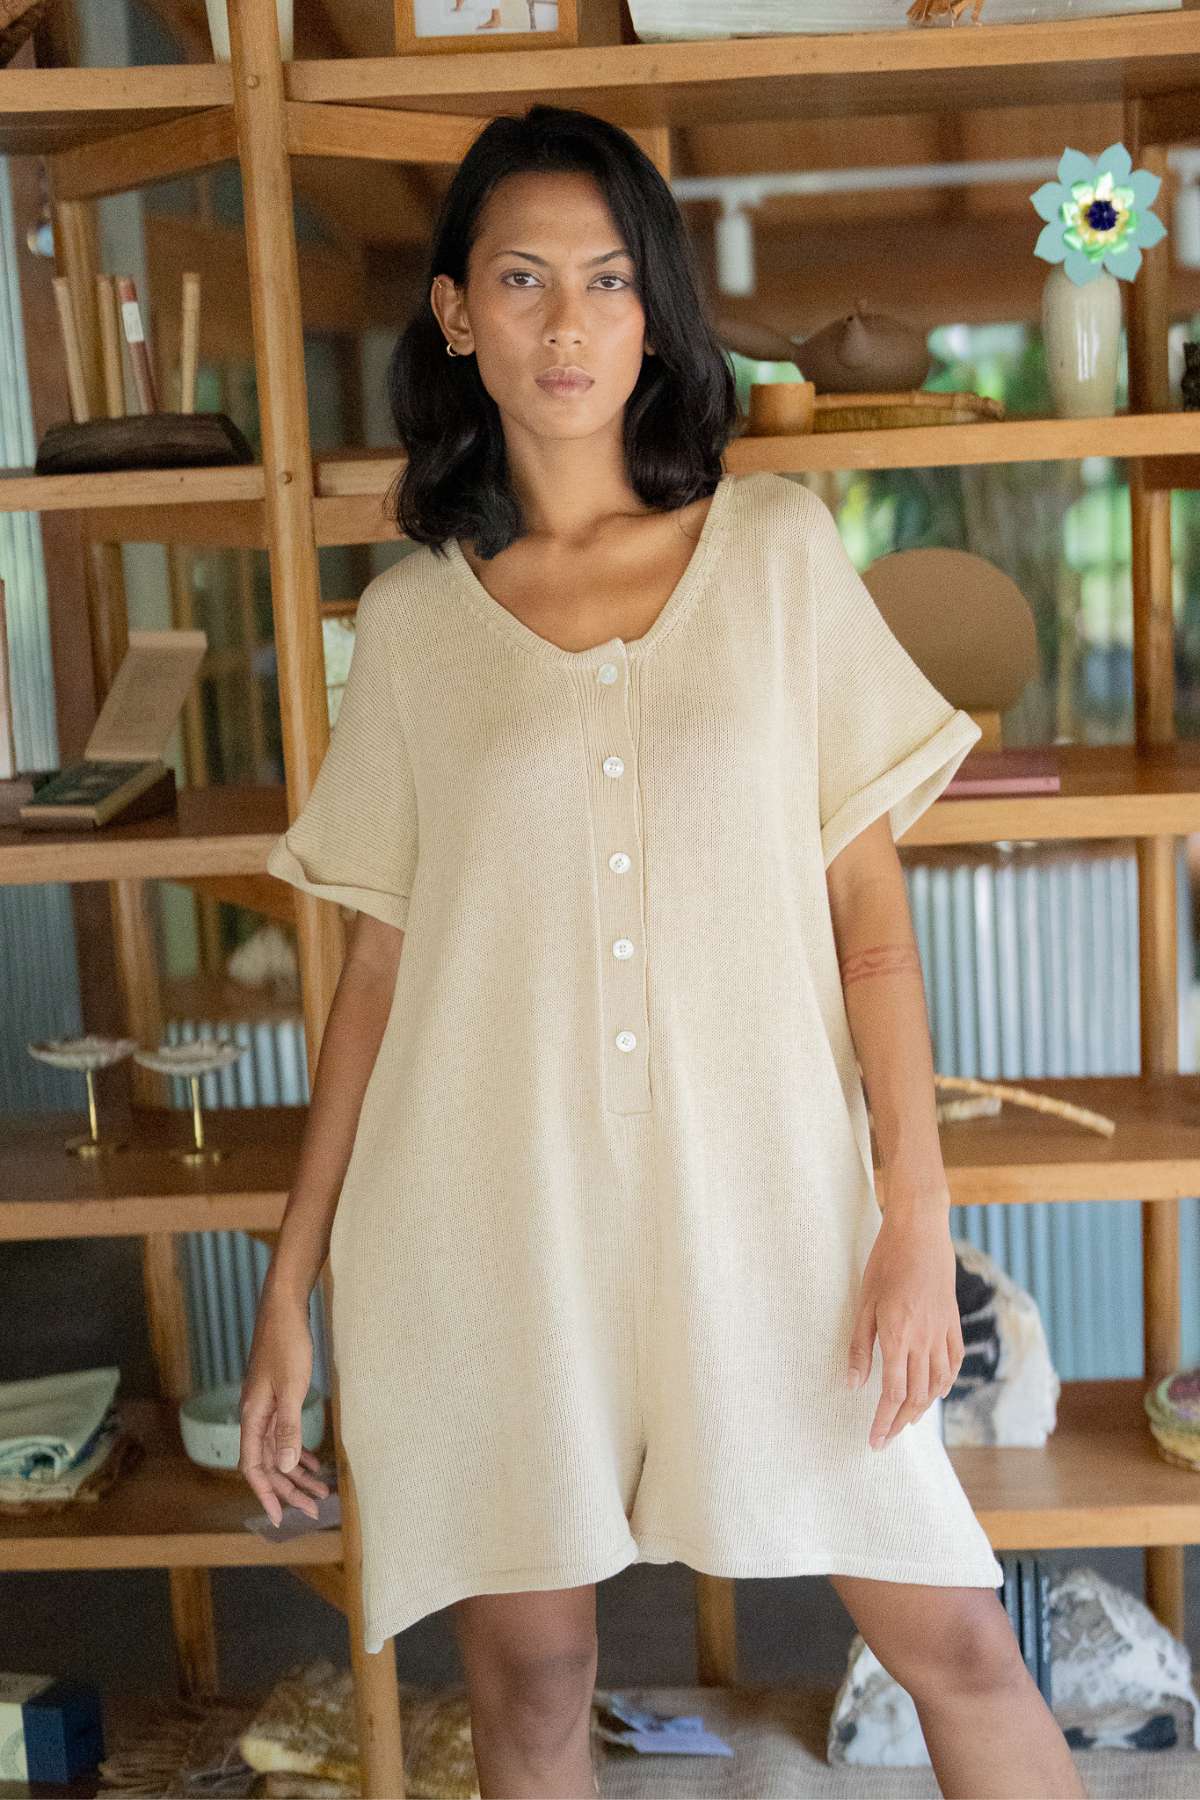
435, 27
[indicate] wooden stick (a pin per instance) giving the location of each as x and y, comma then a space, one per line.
190, 341
110, 343
1020, 1096
76, 386
135, 338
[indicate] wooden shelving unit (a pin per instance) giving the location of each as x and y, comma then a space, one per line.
215, 831
145, 1188
1099, 1480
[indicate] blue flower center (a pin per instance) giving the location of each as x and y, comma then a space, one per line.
1102, 215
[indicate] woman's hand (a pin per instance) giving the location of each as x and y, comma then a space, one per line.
907, 1297
273, 1459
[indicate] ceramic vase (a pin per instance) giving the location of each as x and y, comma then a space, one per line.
1081, 330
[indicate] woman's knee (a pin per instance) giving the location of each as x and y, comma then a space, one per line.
529, 1657
948, 1641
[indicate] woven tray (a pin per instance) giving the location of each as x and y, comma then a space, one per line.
917, 406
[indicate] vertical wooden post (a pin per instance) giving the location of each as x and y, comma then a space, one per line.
1154, 723
258, 99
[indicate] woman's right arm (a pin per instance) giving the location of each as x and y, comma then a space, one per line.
280, 1364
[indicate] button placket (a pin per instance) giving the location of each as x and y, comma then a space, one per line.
625, 1033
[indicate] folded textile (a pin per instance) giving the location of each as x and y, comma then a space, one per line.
82, 1481
50, 1422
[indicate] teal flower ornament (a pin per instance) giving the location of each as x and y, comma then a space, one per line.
1098, 215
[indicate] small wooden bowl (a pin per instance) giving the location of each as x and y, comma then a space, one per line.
780, 408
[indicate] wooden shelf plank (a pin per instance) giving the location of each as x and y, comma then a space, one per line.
1098, 1480
23, 491
49, 1193
353, 472
224, 505
167, 1513
351, 484
222, 830
1020, 1155
1027, 438
842, 75
45, 110
1108, 791
1015, 1157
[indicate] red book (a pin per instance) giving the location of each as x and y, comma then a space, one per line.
1021, 770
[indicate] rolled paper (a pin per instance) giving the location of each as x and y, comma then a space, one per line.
135, 338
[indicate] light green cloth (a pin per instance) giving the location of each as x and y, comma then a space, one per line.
48, 1421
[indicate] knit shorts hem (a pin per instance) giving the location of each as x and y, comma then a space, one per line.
538, 1577
534, 1577
818, 1562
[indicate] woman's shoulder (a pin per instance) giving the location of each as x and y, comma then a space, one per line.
396, 603
785, 506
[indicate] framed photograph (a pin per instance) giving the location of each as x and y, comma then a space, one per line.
436, 26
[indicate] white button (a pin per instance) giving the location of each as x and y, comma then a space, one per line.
607, 672
625, 1040
618, 861
612, 765
622, 948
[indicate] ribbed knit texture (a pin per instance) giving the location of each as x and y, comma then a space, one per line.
597, 1253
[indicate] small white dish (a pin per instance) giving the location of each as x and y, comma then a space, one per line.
210, 1421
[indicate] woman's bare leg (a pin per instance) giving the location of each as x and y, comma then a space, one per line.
989, 1733
530, 1665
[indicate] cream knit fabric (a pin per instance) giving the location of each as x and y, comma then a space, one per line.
596, 1256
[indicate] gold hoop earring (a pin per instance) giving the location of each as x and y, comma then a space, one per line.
450, 350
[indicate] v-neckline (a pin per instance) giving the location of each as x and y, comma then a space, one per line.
507, 623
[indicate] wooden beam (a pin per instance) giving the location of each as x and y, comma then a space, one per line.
139, 159
378, 133
257, 893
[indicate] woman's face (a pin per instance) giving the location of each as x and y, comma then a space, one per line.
549, 285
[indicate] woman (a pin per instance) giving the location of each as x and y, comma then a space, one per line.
620, 762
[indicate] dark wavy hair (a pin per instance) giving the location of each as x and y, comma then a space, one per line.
683, 409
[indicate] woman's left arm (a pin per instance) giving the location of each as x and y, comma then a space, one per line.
907, 1295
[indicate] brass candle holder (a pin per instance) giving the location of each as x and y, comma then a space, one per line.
85, 1055
201, 1057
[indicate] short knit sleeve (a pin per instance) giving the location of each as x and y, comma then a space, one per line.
355, 839
887, 739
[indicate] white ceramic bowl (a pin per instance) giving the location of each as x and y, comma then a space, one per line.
210, 1421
